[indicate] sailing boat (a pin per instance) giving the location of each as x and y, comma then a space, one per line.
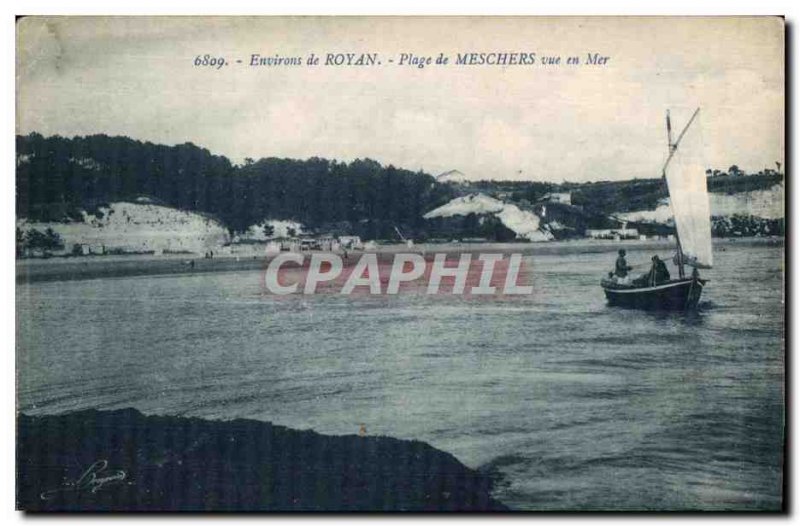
684, 173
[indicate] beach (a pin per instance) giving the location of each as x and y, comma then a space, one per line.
94, 267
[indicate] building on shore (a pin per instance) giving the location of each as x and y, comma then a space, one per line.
565, 198
351, 242
613, 233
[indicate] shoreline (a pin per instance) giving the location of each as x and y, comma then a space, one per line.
122, 460
97, 267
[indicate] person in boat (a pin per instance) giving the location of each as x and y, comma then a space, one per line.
657, 275
659, 271
621, 268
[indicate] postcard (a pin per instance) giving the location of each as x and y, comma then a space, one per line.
387, 264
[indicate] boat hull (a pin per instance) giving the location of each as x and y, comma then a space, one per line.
678, 294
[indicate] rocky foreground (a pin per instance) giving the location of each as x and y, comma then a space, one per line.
125, 461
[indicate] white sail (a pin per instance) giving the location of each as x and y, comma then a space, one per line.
686, 179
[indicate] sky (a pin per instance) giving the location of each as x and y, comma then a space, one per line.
136, 77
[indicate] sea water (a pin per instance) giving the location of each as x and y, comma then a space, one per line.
574, 405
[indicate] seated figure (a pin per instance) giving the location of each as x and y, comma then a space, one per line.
657, 275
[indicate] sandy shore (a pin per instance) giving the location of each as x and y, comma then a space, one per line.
124, 461
92, 267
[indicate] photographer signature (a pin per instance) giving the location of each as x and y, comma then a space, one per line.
93, 480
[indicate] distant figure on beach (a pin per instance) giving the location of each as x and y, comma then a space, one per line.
191, 264
362, 430
621, 267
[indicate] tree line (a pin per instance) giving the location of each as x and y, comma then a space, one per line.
57, 177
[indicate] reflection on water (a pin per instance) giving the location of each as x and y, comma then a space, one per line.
577, 405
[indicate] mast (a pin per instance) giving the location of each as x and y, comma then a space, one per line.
672, 148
